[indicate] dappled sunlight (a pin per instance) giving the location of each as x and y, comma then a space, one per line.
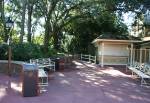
115, 73
136, 97
86, 85
16, 86
113, 82
96, 83
115, 97
89, 65
65, 82
139, 98
3, 93
87, 81
77, 63
129, 84
79, 67
61, 75
92, 77
84, 65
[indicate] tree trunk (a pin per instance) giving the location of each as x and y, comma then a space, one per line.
30, 8
56, 45
48, 26
23, 20
57, 38
47, 34
4, 33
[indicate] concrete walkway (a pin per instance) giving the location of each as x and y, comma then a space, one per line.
81, 83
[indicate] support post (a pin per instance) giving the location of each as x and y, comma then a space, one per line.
140, 57
102, 58
9, 60
149, 55
145, 56
131, 56
95, 59
128, 62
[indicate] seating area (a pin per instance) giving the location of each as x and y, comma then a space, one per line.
45, 65
142, 71
43, 80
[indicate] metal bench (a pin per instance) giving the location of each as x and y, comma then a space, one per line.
140, 71
44, 63
43, 79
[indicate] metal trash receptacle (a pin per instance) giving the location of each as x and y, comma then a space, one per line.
59, 64
56, 60
30, 80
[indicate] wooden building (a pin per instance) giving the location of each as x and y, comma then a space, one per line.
114, 51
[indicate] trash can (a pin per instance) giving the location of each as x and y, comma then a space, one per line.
56, 60
59, 64
30, 80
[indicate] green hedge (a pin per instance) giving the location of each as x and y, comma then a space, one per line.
3, 51
25, 51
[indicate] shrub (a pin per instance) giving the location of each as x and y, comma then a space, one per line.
3, 51
25, 51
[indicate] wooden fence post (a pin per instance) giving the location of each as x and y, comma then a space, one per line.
95, 59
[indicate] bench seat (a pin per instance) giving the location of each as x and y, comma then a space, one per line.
139, 73
43, 79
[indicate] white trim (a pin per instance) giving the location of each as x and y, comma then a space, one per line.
102, 56
145, 56
112, 64
149, 56
140, 57
112, 40
131, 58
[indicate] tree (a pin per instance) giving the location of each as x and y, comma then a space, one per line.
98, 19
23, 12
30, 5
4, 33
57, 14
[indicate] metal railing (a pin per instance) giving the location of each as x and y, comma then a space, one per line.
89, 58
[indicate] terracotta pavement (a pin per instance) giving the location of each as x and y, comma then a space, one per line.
81, 83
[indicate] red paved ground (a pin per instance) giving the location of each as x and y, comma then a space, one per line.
81, 83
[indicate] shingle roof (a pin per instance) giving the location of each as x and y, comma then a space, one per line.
117, 37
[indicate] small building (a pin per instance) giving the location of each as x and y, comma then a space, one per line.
112, 51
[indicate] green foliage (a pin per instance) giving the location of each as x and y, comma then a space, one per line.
3, 51
25, 51
38, 40
87, 29
65, 44
1, 40
84, 19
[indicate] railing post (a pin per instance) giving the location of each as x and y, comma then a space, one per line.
95, 60
89, 58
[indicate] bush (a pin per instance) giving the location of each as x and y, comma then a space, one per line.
25, 51
3, 51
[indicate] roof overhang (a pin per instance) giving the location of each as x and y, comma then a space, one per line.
117, 41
